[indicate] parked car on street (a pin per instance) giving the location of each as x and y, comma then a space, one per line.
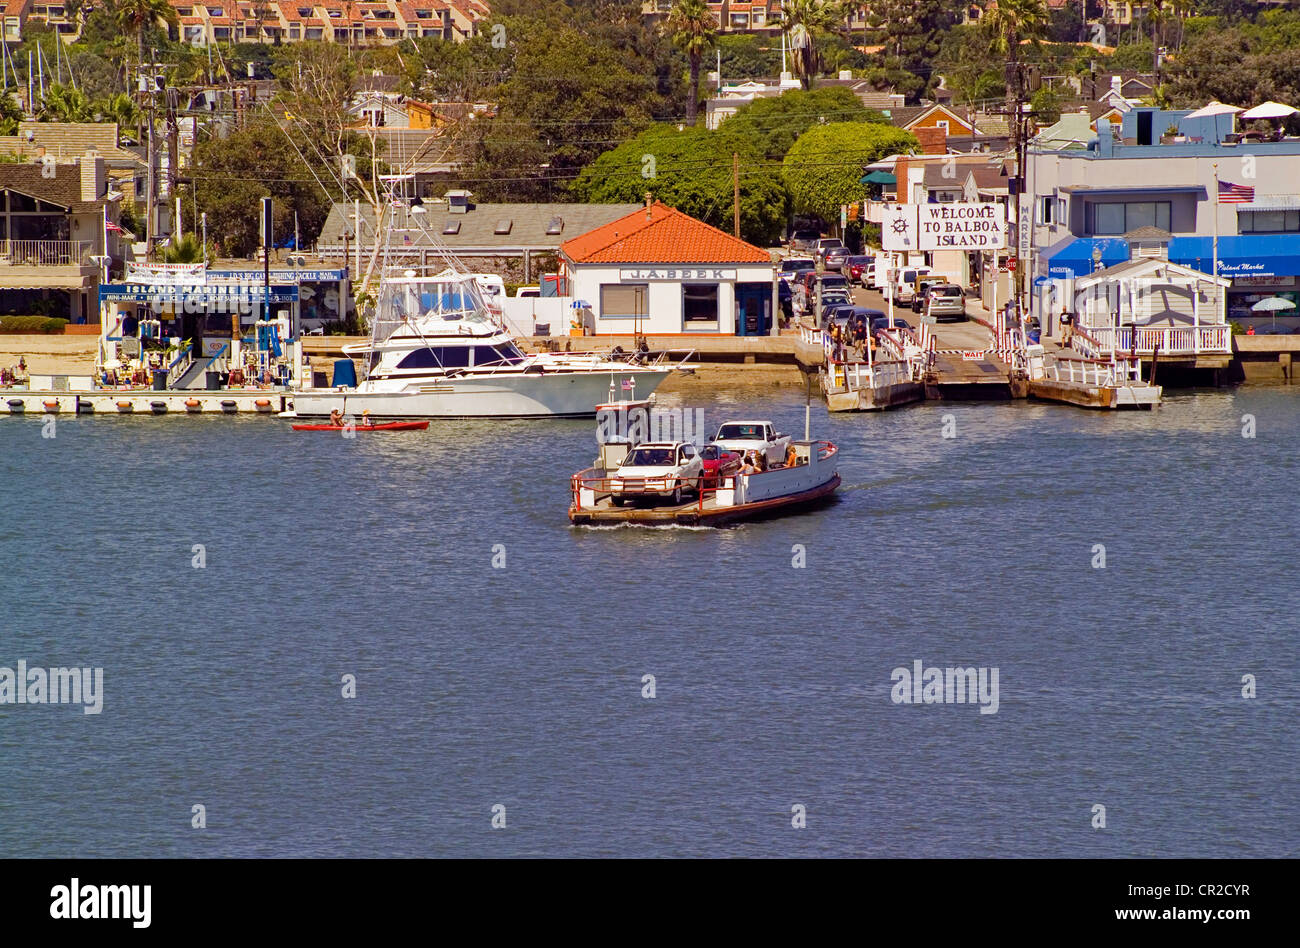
945, 300
905, 283
790, 266
804, 240
860, 269
827, 244
922, 288
882, 322
833, 258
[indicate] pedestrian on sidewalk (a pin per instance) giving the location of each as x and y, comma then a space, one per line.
1067, 328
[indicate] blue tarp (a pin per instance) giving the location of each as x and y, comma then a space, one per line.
1073, 256
1262, 255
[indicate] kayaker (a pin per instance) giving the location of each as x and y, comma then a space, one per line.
336, 418
366, 420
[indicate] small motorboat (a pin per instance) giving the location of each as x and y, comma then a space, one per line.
384, 426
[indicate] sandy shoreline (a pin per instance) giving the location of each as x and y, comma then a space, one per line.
50, 355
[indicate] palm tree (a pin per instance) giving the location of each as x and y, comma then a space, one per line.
1006, 24
694, 31
63, 104
119, 108
187, 249
801, 21
139, 15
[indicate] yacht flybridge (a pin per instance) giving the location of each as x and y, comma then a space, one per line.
437, 351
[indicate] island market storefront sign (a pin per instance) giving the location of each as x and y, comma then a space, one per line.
1241, 255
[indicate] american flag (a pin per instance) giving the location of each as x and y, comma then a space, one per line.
1235, 193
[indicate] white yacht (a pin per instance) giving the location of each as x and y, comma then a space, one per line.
437, 351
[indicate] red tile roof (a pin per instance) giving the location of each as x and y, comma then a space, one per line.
660, 234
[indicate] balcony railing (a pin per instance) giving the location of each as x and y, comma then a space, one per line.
1171, 340
45, 253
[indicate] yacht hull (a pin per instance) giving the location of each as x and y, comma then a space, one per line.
557, 395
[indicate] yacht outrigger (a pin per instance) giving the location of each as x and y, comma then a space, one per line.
628, 472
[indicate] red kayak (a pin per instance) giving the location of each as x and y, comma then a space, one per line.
386, 426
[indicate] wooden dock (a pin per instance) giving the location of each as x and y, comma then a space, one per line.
1063, 376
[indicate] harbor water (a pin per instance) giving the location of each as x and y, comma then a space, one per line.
227, 574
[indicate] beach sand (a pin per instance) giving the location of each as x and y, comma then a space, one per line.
50, 355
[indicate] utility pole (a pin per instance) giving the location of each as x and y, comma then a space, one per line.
146, 84
735, 191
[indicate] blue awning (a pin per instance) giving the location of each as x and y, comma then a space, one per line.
1073, 256
1261, 255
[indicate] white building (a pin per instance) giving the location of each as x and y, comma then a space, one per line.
658, 271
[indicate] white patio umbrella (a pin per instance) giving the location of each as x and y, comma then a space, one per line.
1270, 110
1214, 108
1273, 304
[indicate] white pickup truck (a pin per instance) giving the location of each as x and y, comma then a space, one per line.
745, 436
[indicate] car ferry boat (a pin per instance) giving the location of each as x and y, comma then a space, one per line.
672, 483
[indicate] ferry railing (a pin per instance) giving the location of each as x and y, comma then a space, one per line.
1108, 373
852, 376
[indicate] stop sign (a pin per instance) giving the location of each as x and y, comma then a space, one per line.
1011, 264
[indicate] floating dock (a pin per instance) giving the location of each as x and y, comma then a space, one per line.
869, 386
1089, 383
144, 402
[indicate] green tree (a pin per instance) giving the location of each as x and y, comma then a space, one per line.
694, 31
232, 174
691, 170
773, 123
10, 115
1046, 105
912, 32
745, 57
823, 170
803, 22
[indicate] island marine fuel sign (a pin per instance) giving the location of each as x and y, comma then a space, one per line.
981, 226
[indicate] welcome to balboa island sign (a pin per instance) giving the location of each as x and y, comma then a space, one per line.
945, 226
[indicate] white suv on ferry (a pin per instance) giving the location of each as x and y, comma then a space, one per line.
657, 469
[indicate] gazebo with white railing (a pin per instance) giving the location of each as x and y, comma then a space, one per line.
1147, 305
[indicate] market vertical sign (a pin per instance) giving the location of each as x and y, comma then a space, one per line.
952, 226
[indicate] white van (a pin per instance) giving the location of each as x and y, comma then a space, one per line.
905, 282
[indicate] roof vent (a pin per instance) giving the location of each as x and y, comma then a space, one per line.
451, 227
503, 226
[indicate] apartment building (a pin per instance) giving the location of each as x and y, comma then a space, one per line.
283, 21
